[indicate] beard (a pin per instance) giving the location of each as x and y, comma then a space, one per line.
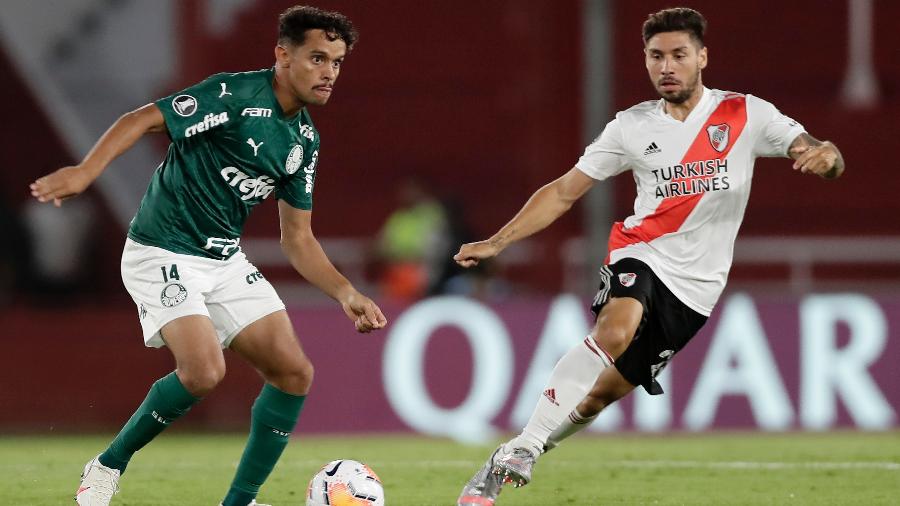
686, 92
679, 97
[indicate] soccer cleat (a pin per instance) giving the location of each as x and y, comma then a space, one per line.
484, 487
98, 484
515, 467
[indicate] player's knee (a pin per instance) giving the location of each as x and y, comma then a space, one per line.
613, 339
304, 373
201, 380
295, 379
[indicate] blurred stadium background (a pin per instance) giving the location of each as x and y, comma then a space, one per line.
479, 103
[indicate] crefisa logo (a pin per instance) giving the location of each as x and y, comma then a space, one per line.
184, 105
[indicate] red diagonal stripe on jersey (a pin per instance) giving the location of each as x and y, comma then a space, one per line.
673, 211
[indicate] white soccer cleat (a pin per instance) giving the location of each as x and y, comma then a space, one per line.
515, 467
98, 484
484, 487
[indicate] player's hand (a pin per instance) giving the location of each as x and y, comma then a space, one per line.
60, 185
364, 313
470, 254
818, 160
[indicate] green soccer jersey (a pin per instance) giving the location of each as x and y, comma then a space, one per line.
231, 148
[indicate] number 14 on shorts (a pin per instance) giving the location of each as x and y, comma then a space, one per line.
169, 272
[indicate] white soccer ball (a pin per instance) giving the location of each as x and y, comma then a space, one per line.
345, 483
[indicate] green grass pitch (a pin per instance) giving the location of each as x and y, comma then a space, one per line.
182, 468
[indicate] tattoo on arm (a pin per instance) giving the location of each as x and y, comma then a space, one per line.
803, 140
501, 238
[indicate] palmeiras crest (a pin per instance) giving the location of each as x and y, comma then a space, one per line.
718, 136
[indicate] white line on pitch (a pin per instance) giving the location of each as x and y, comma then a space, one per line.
883, 466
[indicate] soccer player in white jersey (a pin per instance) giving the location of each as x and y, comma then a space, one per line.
691, 154
236, 140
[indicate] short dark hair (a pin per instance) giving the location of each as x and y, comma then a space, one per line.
677, 19
297, 20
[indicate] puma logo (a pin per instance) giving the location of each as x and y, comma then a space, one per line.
224, 91
254, 145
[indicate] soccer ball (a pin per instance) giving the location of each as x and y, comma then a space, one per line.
345, 483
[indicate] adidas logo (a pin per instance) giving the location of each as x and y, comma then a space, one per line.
550, 394
651, 149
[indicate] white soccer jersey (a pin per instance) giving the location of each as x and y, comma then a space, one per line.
693, 182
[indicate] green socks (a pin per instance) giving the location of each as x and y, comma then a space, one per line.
272, 419
166, 401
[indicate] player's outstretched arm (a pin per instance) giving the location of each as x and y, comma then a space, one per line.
70, 181
309, 259
542, 209
817, 157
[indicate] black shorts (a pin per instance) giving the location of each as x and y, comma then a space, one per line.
666, 326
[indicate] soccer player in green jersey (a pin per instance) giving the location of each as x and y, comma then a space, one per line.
236, 139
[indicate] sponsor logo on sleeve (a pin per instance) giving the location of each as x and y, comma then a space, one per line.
184, 105
312, 163
210, 121
310, 171
307, 131
294, 159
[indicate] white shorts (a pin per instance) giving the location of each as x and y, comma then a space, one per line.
166, 286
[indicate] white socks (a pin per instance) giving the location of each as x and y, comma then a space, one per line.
574, 423
571, 380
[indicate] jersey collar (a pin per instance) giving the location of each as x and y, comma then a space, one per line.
705, 97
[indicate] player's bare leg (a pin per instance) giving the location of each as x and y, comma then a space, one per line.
609, 387
200, 366
552, 422
199, 362
271, 346
623, 313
